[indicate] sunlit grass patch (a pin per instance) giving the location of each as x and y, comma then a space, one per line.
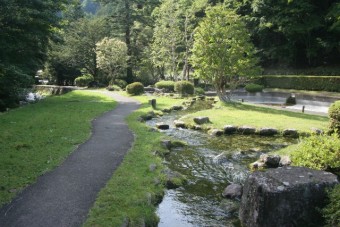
36, 138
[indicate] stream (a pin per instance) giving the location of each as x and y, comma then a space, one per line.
209, 164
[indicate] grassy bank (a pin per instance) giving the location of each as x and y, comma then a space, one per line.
239, 114
134, 190
36, 138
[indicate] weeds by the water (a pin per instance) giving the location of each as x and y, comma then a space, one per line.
36, 138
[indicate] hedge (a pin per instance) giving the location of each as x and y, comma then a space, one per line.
166, 84
135, 88
313, 83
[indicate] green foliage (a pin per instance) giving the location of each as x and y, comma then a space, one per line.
83, 81
222, 49
314, 83
111, 57
318, 152
135, 88
184, 87
120, 83
331, 212
37, 138
168, 85
113, 88
334, 117
12, 83
199, 91
254, 88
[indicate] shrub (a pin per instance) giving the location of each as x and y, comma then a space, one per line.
168, 85
315, 83
113, 88
331, 212
254, 88
334, 117
83, 81
199, 91
184, 87
135, 88
318, 152
120, 83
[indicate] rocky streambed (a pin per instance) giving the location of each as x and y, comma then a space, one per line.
209, 164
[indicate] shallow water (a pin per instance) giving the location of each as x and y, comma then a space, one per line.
209, 164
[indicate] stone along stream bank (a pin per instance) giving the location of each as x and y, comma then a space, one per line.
209, 164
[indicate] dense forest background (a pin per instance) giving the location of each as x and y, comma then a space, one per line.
58, 38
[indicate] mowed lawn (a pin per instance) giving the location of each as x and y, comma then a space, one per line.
239, 114
38, 137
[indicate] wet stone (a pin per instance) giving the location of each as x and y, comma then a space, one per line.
179, 124
268, 132
229, 129
177, 108
270, 161
233, 191
162, 126
290, 133
216, 132
246, 130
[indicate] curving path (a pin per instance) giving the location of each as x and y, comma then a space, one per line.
64, 196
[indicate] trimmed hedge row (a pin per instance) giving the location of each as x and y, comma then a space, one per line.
314, 83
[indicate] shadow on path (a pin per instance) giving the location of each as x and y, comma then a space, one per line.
64, 196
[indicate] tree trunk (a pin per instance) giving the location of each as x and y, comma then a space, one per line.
129, 72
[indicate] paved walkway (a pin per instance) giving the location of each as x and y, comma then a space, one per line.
64, 196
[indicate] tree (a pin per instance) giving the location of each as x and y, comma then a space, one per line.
167, 37
123, 14
222, 51
25, 28
111, 57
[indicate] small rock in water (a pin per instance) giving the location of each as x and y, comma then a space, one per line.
268, 132
233, 191
216, 132
162, 126
270, 161
179, 124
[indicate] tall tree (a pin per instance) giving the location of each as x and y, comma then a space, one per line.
25, 28
222, 51
123, 14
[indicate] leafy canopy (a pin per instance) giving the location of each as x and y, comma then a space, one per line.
222, 51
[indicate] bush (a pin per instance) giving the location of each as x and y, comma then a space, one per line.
254, 88
120, 83
199, 91
331, 212
113, 88
135, 88
83, 81
315, 83
318, 152
184, 87
168, 85
334, 117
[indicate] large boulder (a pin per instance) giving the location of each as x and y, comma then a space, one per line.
288, 196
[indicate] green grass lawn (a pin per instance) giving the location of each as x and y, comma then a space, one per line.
38, 137
239, 114
132, 193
